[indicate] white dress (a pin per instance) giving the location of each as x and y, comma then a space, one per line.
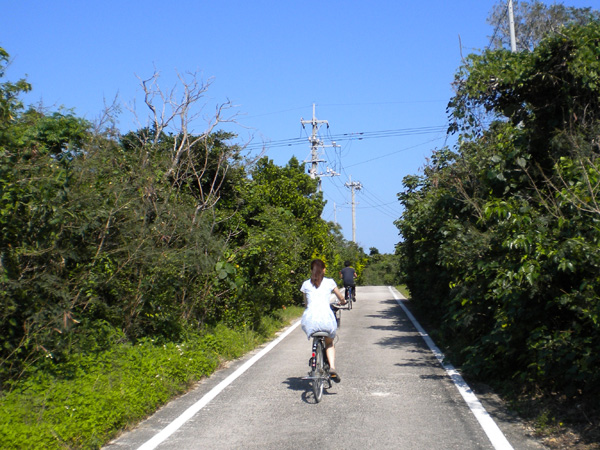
318, 315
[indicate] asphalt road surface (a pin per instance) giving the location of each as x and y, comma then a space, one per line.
394, 394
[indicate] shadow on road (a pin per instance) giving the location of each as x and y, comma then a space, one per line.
405, 341
419, 363
395, 321
298, 384
397, 332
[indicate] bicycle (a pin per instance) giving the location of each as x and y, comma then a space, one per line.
350, 295
319, 373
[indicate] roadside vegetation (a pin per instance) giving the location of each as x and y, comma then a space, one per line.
132, 265
87, 399
381, 269
501, 232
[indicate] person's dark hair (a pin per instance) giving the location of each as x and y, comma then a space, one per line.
346, 263
317, 272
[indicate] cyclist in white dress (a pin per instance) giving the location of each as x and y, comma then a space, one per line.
318, 315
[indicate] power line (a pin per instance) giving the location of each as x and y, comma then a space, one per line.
297, 108
381, 208
356, 136
276, 144
370, 198
315, 143
384, 103
389, 133
379, 204
393, 153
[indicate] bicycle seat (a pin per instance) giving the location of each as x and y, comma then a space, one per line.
320, 334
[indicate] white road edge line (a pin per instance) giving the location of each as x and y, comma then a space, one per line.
490, 428
192, 410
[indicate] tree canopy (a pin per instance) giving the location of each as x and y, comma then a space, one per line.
533, 20
501, 233
153, 234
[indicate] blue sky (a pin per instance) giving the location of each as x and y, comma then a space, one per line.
383, 68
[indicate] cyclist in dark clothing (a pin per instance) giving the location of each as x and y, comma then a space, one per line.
348, 274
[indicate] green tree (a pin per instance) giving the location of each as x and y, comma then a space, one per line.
36, 173
10, 103
99, 231
533, 21
155, 234
346, 250
500, 235
381, 270
283, 229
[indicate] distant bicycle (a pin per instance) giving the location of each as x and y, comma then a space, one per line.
350, 295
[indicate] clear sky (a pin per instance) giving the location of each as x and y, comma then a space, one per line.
382, 68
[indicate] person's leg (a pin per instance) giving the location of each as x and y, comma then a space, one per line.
330, 351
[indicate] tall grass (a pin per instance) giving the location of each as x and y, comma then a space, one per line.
89, 399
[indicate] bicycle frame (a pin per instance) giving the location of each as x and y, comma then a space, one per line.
318, 337
349, 295
319, 365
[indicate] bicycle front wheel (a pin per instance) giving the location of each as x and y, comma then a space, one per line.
318, 374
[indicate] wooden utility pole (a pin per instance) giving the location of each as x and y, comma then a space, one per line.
334, 213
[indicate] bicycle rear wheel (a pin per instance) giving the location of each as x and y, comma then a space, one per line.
350, 298
318, 374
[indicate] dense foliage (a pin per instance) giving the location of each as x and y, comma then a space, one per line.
380, 269
501, 233
533, 20
94, 396
153, 234
131, 265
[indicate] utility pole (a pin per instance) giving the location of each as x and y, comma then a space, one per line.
353, 185
315, 143
511, 21
334, 213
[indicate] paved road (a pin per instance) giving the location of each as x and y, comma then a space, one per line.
394, 395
